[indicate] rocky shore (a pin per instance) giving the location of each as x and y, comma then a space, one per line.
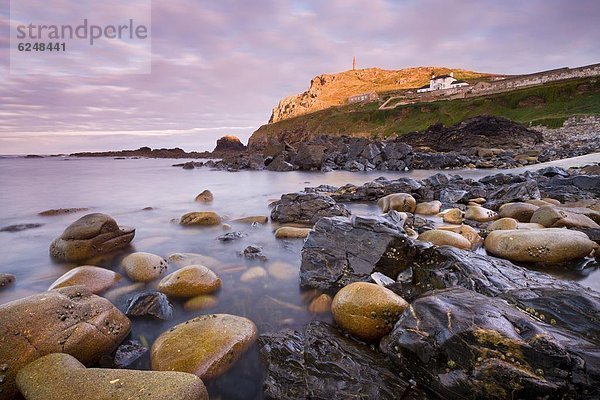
450, 292
479, 142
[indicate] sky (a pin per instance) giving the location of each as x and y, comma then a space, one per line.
219, 67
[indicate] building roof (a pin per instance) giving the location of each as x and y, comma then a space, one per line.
424, 87
457, 82
441, 77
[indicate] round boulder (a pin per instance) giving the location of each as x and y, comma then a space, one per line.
441, 237
95, 279
452, 216
205, 197
366, 310
144, 267
203, 218
206, 346
290, 232
190, 281
428, 208
522, 212
90, 236
466, 231
552, 245
480, 214
398, 202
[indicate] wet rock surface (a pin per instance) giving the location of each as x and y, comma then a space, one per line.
6, 280
69, 320
152, 304
127, 353
89, 236
306, 208
95, 279
61, 376
19, 227
465, 345
318, 362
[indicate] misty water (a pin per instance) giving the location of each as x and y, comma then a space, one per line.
124, 188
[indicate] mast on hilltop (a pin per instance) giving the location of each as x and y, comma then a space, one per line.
354, 63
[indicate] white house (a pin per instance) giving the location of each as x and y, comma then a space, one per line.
442, 82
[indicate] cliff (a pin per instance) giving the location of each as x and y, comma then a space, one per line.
329, 90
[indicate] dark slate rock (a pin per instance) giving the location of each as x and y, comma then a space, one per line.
280, 164
318, 362
339, 251
590, 183
229, 236
553, 171
153, 304
254, 252
452, 196
515, 192
127, 353
306, 208
462, 344
6, 279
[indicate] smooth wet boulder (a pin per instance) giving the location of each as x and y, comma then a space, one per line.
320, 304
290, 232
397, 201
504, 224
306, 208
428, 208
341, 250
206, 346
466, 231
61, 376
190, 281
253, 274
551, 245
202, 302
144, 267
70, 320
453, 216
461, 344
95, 279
522, 212
366, 310
205, 197
480, 214
90, 236
556, 217
150, 304
317, 362
255, 219
441, 237
200, 218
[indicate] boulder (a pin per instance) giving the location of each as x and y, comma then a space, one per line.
504, 224
95, 279
206, 346
290, 232
19, 227
229, 143
461, 344
320, 304
6, 279
342, 250
201, 302
69, 320
556, 217
309, 156
90, 236
397, 201
317, 362
256, 219
190, 281
453, 216
522, 212
513, 192
480, 214
253, 274
144, 267
127, 353
466, 231
280, 164
61, 376
205, 218
428, 208
551, 245
205, 197
366, 310
61, 211
306, 208
441, 237
254, 252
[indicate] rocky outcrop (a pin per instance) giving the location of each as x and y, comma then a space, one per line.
317, 362
229, 143
306, 208
69, 320
467, 345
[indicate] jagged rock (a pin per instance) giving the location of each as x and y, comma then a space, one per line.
372, 191
306, 208
154, 304
68, 320
516, 192
310, 156
89, 236
452, 196
254, 252
229, 236
553, 171
127, 353
318, 362
342, 250
280, 164
6, 279
61, 376
462, 344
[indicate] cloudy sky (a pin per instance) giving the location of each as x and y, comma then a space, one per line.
218, 67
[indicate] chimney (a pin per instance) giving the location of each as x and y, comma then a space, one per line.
452, 74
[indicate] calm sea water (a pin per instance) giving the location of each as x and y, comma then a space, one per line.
123, 188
